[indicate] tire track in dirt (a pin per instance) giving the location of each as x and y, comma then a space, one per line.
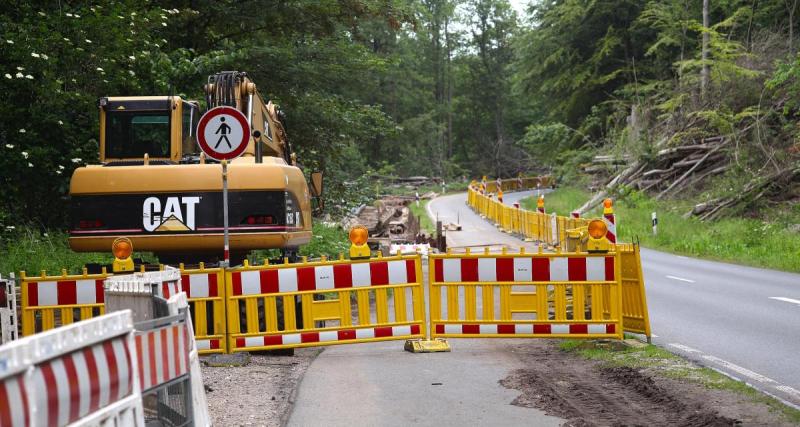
589, 394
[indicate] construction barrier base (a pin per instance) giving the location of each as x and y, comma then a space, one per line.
439, 345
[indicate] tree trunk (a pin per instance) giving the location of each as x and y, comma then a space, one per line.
704, 55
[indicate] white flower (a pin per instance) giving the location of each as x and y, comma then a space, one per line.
45, 235
25, 154
133, 13
66, 39
120, 17
68, 14
99, 69
61, 167
163, 24
132, 58
42, 14
45, 57
30, 165
10, 227
88, 41
19, 75
76, 160
61, 123
22, 131
131, 72
77, 16
9, 145
35, 55
10, 41
9, 76
29, 77
58, 172
20, 68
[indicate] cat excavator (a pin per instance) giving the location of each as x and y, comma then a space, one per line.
155, 187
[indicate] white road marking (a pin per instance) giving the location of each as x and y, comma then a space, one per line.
685, 348
681, 256
736, 368
789, 390
793, 301
680, 278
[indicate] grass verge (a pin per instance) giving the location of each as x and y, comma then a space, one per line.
662, 362
425, 224
741, 240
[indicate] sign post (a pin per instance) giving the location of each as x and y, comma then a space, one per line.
223, 134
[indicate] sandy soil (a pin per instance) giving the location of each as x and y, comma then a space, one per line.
259, 394
589, 393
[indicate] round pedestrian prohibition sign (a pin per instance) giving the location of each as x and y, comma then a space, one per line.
223, 133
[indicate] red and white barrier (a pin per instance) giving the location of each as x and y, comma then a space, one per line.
408, 331
524, 269
162, 354
65, 292
14, 402
313, 278
525, 329
611, 224
200, 285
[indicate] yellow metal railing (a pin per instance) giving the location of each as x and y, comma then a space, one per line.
556, 295
340, 302
205, 291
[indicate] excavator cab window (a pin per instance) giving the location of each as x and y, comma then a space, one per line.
131, 134
191, 116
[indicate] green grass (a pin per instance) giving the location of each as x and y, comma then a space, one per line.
27, 249
425, 224
664, 363
741, 240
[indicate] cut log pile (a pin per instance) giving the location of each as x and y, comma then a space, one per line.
389, 218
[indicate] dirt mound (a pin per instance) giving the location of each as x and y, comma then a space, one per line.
589, 394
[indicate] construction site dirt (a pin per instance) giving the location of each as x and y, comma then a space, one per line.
593, 393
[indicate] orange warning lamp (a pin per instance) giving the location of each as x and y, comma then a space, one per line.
122, 248
597, 241
358, 239
540, 203
608, 207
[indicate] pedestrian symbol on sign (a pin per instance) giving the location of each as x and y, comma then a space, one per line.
224, 129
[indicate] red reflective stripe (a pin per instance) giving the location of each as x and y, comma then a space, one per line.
541, 329
469, 270
66, 292
33, 294
212, 285
505, 269
576, 268
611, 328
140, 360
165, 290
415, 330
187, 285
541, 269
240, 342
273, 340
113, 371
579, 329
610, 268
128, 366
214, 344
269, 281
510, 328
99, 293
309, 337
342, 276
178, 350
165, 354
470, 329
236, 283
384, 331
379, 273
306, 279
5, 403
52, 393
151, 357
94, 380
74, 389
347, 334
411, 271
24, 394
439, 329
438, 270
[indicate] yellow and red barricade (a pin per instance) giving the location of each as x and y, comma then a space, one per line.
205, 291
386, 293
52, 301
634, 300
555, 295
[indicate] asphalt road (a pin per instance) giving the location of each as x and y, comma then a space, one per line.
740, 320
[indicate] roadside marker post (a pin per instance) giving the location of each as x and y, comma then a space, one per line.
213, 132
655, 223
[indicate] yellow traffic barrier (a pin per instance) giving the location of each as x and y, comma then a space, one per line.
634, 300
205, 292
552, 295
385, 292
52, 301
